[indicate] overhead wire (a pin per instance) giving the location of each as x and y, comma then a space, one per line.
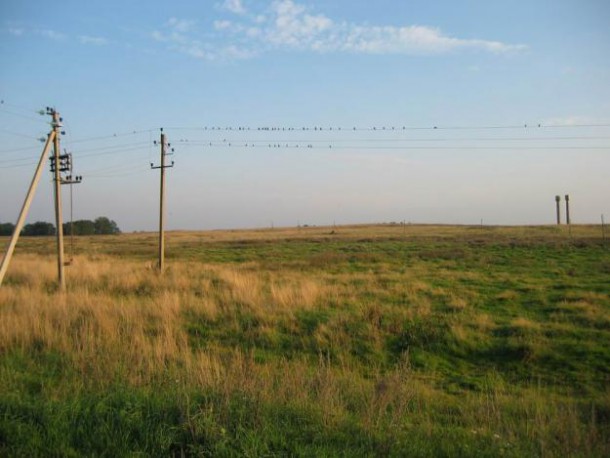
18, 134
104, 137
17, 166
397, 140
12, 150
27, 110
309, 143
283, 145
19, 115
381, 128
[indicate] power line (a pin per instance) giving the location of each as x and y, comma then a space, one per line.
136, 163
103, 153
118, 151
25, 148
19, 115
119, 175
104, 137
21, 159
17, 134
18, 166
395, 140
111, 147
100, 148
21, 108
282, 145
380, 128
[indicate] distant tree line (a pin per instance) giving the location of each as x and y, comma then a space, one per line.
99, 226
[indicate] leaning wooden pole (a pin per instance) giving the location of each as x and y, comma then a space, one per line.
26, 206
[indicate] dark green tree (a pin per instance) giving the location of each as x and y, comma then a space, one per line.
81, 227
7, 228
104, 225
39, 228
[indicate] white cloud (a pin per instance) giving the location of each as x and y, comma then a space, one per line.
89, 40
194, 49
179, 36
53, 35
222, 25
180, 25
293, 26
17, 31
235, 52
234, 6
413, 39
286, 24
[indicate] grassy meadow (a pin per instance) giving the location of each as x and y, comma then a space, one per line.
382, 340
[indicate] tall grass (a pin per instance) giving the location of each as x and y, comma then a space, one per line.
399, 352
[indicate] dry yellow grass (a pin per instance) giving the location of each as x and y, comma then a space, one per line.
212, 327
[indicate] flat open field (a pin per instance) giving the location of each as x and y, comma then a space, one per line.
350, 341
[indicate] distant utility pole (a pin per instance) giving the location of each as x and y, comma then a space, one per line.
162, 168
557, 201
567, 197
56, 167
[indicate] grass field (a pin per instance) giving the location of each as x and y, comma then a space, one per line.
351, 341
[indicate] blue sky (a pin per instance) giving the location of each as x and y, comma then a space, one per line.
131, 67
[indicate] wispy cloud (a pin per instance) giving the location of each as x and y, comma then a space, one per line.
19, 30
175, 35
293, 26
89, 40
181, 25
179, 36
16, 31
234, 6
286, 24
52, 34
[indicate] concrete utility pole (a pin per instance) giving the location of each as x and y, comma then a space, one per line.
26, 206
567, 209
162, 168
56, 169
557, 201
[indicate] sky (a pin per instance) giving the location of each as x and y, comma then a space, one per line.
288, 112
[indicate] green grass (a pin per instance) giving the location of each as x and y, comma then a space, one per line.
433, 341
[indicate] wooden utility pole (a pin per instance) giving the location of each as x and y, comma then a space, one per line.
26, 206
56, 168
557, 202
162, 168
568, 222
